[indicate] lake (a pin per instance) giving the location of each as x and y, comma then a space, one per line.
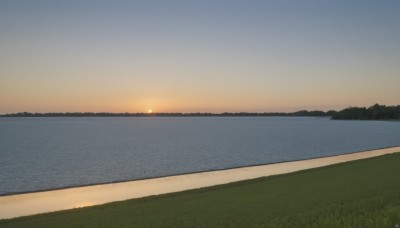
47, 153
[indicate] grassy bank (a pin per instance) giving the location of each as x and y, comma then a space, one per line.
364, 193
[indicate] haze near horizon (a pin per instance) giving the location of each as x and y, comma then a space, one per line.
204, 56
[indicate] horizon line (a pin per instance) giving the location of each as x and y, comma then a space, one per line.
186, 113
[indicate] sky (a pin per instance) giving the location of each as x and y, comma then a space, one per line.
198, 56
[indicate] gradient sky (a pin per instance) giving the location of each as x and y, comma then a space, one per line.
189, 56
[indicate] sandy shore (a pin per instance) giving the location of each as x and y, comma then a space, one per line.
41, 202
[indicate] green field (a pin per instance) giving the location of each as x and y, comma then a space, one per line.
364, 193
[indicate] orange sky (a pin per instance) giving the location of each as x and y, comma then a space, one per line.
197, 57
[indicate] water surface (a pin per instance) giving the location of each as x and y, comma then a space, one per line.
47, 153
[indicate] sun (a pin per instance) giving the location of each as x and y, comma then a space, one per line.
149, 111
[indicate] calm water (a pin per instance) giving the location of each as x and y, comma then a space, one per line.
45, 153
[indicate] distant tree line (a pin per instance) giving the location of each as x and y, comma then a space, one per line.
161, 114
375, 112
315, 113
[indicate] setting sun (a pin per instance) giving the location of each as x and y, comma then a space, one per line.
149, 111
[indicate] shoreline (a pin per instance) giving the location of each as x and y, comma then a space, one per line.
23, 204
180, 174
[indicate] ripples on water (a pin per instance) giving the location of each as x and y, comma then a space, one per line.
45, 153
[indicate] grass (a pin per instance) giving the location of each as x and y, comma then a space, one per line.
364, 193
